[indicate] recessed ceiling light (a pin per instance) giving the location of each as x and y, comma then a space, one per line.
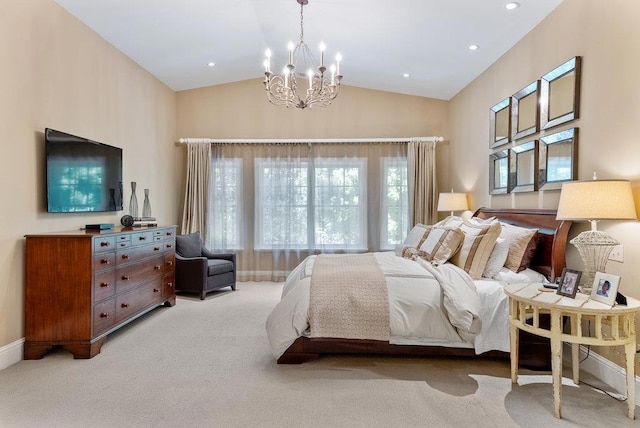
474, 47
406, 75
512, 5
211, 64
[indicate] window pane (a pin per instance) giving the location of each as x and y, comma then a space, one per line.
224, 205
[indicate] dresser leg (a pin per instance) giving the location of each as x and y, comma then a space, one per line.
170, 302
35, 351
84, 350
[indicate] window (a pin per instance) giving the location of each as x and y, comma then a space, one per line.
394, 202
310, 205
225, 204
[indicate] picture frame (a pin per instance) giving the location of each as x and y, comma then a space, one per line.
569, 282
605, 288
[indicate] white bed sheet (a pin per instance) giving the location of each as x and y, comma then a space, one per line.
415, 313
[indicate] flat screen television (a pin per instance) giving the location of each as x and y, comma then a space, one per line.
82, 175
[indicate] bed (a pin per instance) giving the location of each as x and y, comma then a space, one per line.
294, 344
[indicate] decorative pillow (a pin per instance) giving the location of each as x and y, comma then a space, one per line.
522, 246
497, 258
440, 244
450, 221
413, 239
476, 247
189, 245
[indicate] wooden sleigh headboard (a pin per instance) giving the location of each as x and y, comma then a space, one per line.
549, 258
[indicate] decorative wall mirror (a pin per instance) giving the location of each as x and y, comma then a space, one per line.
558, 159
523, 166
525, 111
500, 123
498, 172
560, 94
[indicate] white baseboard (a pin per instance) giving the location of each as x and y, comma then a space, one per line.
603, 369
11, 353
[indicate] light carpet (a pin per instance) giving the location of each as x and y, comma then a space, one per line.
208, 364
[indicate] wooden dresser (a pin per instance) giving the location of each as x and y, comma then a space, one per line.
83, 285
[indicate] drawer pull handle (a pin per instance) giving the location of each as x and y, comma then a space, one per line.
123, 244
104, 284
124, 305
169, 233
125, 277
104, 315
143, 238
169, 245
104, 244
155, 290
156, 248
105, 261
170, 263
169, 284
125, 256
157, 267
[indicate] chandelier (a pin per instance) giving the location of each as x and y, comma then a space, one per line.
303, 82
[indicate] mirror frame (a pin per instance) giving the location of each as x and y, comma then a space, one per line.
514, 186
545, 142
573, 65
504, 104
532, 89
494, 189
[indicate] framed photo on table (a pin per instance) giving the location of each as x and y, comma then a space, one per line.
605, 288
569, 282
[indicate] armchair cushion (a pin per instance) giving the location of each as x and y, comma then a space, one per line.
217, 266
189, 245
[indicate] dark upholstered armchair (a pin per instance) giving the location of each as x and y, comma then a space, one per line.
198, 270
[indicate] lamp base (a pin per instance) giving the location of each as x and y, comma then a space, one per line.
594, 247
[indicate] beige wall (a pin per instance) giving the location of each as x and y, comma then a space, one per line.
57, 73
606, 35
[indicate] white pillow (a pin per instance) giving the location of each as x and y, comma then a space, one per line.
527, 275
497, 259
413, 239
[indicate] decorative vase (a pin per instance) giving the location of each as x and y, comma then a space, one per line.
146, 206
133, 202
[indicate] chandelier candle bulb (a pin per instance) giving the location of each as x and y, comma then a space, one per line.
338, 59
291, 52
322, 48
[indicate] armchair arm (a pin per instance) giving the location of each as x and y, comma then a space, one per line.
224, 256
190, 272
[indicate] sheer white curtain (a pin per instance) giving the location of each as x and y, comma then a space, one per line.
274, 204
194, 213
423, 186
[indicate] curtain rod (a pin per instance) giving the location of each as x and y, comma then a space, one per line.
311, 140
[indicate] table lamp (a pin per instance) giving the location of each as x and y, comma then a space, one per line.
592, 201
452, 202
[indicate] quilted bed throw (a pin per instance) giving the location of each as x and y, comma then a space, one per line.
348, 298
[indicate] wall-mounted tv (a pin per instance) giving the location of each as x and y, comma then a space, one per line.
82, 175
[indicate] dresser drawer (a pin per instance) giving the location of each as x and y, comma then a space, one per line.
130, 276
132, 302
104, 316
168, 288
104, 285
169, 245
104, 261
104, 243
134, 254
164, 234
169, 260
140, 238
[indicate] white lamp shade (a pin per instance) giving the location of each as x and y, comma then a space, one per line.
596, 200
452, 202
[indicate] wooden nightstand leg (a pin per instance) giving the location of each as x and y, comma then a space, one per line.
556, 361
514, 353
630, 351
575, 348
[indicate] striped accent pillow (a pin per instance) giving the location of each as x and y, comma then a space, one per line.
523, 243
413, 240
476, 248
440, 244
